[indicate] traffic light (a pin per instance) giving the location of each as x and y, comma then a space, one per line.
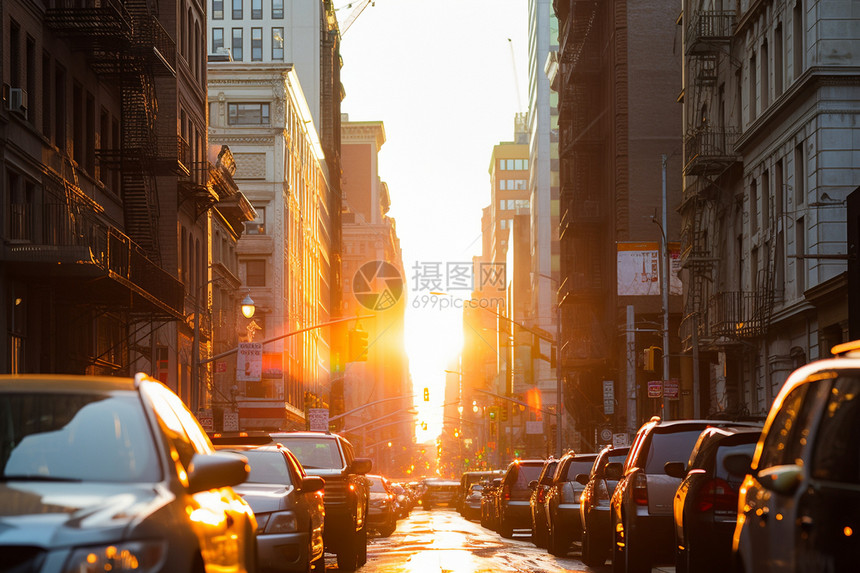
426, 394
493, 414
503, 414
650, 358
357, 345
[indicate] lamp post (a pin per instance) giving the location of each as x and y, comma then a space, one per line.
664, 287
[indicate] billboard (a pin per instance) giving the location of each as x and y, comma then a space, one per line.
638, 268
249, 363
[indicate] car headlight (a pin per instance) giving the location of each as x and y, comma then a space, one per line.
282, 522
139, 556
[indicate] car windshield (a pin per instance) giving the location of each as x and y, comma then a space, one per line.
525, 473
314, 453
670, 447
267, 467
76, 437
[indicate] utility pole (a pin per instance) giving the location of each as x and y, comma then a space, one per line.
665, 284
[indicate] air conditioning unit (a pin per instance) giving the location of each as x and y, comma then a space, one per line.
15, 99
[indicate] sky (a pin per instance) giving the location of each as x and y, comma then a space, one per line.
446, 78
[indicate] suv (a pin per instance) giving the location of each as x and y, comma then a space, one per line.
513, 496
539, 487
562, 502
641, 506
594, 506
799, 504
346, 493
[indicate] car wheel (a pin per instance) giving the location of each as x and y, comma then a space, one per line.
387, 529
362, 546
250, 549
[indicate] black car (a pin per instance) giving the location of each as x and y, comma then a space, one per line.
562, 502
537, 501
706, 503
110, 474
346, 492
594, 506
513, 497
806, 471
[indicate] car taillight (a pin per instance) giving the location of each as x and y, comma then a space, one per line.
640, 490
718, 495
506, 492
541, 495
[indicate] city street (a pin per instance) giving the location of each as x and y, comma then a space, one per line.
442, 541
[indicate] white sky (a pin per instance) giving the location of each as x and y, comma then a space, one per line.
441, 76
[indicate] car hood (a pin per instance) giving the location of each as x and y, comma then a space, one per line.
264, 498
62, 514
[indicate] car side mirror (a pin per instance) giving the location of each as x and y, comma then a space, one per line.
213, 471
738, 464
613, 471
781, 479
582, 478
361, 466
533, 484
311, 484
675, 469
547, 480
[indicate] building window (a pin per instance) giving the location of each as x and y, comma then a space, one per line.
217, 9
800, 255
277, 43
248, 113
753, 207
256, 44
502, 204
799, 176
237, 9
797, 39
217, 39
277, 9
255, 273
511, 204
256, 9
752, 77
237, 44
258, 225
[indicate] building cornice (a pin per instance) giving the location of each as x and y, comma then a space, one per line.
363, 132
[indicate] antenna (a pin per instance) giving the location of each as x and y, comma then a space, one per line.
516, 76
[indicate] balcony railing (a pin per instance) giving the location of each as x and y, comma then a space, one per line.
708, 29
710, 150
738, 314
89, 19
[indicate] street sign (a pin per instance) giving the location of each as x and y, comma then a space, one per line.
534, 427
204, 416
671, 388
231, 421
655, 388
220, 366
318, 419
605, 435
608, 397
619, 440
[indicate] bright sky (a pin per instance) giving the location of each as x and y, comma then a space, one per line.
441, 76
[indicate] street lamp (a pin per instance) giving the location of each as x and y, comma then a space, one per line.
248, 307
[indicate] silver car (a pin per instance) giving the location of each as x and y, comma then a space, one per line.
288, 505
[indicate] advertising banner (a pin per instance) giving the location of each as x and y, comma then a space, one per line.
639, 269
318, 419
249, 362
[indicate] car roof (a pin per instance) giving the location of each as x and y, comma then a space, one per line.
305, 434
65, 382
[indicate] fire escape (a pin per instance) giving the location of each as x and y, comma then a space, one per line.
583, 225
714, 317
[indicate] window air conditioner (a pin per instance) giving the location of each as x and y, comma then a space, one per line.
15, 99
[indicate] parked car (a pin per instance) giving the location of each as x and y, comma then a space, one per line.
382, 513
439, 492
101, 472
641, 505
513, 499
562, 502
537, 501
594, 506
346, 494
288, 505
472, 503
706, 502
466, 481
402, 499
799, 506
488, 503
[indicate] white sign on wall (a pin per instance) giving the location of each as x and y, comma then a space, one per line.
639, 268
608, 397
249, 362
318, 419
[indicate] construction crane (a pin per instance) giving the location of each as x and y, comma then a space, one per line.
516, 76
353, 16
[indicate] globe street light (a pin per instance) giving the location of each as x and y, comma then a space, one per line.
248, 307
